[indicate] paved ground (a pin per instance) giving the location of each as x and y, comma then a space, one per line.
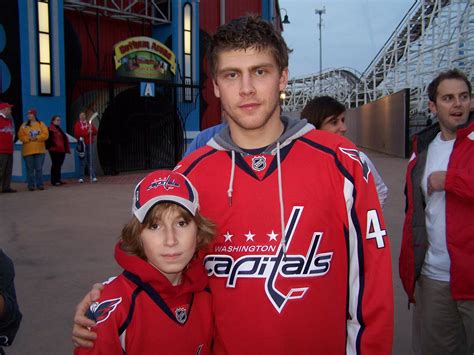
62, 239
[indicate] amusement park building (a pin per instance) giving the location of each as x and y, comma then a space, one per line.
140, 65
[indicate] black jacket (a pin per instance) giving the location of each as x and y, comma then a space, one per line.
10, 321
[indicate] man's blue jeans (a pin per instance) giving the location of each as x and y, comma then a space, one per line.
34, 170
86, 162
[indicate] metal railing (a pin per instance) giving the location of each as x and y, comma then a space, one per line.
152, 11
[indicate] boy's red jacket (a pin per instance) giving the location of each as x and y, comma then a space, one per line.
7, 132
328, 288
141, 312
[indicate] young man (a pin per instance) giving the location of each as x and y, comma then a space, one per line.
437, 248
300, 262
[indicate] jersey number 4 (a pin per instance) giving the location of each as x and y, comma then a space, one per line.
373, 229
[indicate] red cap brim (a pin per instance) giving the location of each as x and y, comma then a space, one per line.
5, 105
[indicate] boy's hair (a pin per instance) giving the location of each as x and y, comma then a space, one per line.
248, 32
130, 237
449, 74
319, 108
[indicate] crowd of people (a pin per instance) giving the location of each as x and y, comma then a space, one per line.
239, 250
36, 138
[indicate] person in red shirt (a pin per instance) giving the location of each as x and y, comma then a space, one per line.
301, 260
87, 132
7, 135
161, 300
58, 146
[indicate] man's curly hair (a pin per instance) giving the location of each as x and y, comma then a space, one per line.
248, 32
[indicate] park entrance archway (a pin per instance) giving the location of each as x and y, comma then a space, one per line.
139, 133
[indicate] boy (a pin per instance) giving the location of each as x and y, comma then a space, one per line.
161, 301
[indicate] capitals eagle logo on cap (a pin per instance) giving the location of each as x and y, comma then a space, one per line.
166, 182
164, 186
99, 312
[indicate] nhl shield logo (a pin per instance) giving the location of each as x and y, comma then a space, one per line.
181, 315
259, 163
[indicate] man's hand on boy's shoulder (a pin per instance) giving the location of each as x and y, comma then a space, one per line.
82, 330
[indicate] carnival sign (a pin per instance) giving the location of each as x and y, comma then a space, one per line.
144, 57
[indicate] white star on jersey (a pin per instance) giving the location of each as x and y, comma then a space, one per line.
228, 237
272, 236
250, 236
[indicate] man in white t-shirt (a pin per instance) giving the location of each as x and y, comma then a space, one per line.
437, 255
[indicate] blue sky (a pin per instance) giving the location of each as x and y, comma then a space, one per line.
353, 31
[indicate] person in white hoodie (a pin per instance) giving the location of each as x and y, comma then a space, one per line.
327, 114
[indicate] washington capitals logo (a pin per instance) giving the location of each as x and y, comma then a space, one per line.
34, 134
181, 315
99, 312
354, 155
259, 163
7, 130
167, 183
269, 267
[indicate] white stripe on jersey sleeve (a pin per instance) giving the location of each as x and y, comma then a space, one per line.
353, 325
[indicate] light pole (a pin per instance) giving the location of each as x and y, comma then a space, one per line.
94, 115
320, 13
285, 20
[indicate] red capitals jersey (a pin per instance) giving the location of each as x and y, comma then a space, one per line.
326, 288
141, 312
7, 133
81, 130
